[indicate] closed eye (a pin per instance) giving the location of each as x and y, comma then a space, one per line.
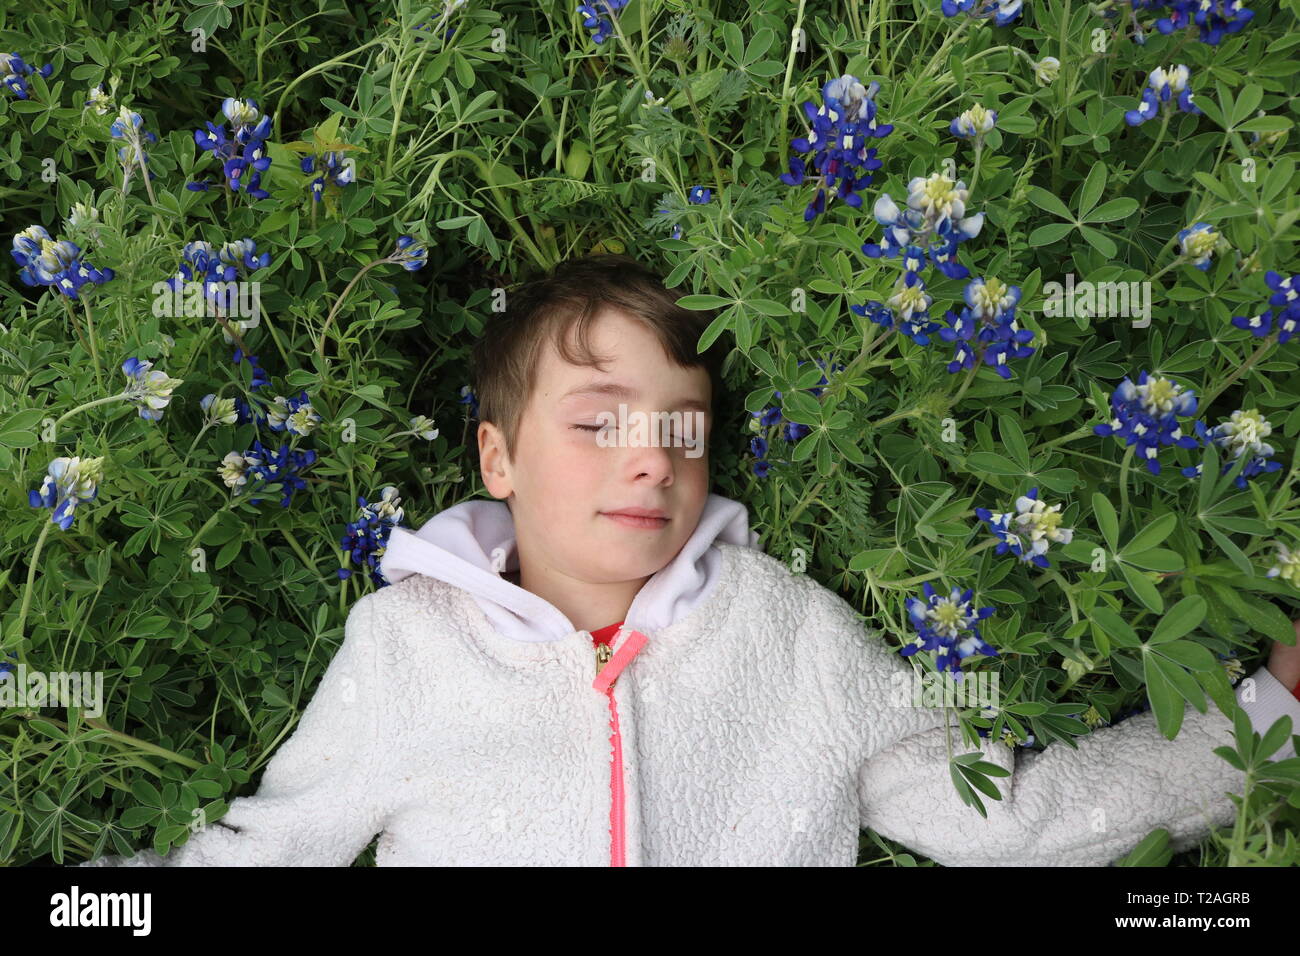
589, 428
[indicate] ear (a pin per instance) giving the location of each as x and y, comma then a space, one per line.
494, 465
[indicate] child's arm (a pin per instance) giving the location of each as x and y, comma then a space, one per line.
317, 804
1061, 807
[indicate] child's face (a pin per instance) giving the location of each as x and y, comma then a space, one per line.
563, 483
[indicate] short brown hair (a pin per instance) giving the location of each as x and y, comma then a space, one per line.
506, 356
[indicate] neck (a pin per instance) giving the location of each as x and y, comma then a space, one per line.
588, 606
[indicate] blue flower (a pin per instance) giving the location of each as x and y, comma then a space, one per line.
934, 220
366, 539
1198, 242
1215, 19
1286, 294
293, 414
58, 264
948, 625
334, 172
243, 155
593, 17
1164, 89
837, 137
68, 483
410, 254
699, 195
1002, 11
974, 123
1146, 415
1242, 434
149, 391
467, 397
1028, 531
260, 467
15, 72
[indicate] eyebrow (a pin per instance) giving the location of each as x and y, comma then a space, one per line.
618, 390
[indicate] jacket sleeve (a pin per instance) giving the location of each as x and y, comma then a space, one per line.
317, 804
1060, 807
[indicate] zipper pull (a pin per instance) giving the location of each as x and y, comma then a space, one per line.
603, 654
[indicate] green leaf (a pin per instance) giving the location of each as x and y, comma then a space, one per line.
1142, 588
1120, 208
1181, 618
1116, 627
1099, 241
1053, 231
1044, 200
1092, 188
1165, 702
1151, 535
1014, 440
698, 303
1107, 521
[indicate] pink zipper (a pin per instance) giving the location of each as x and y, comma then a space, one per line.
605, 682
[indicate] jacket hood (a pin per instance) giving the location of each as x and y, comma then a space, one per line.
457, 545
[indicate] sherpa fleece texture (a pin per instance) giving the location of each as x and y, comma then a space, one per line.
757, 730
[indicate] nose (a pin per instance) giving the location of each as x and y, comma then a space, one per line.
652, 463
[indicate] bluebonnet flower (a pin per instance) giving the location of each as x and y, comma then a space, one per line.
68, 483
792, 432
220, 411
1214, 19
259, 467
1242, 434
974, 123
1028, 531
334, 172
933, 223
83, 218
1002, 11
448, 8
699, 195
837, 137
1164, 89
467, 397
99, 101
1286, 565
1046, 70
57, 264
242, 153
410, 254
7, 669
260, 379
593, 17
1232, 666
653, 102
15, 72
292, 414
129, 127
761, 466
422, 426
1197, 243
1286, 294
149, 391
1146, 415
948, 625
366, 539
218, 270
989, 316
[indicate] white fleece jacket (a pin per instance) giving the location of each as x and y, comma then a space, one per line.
458, 719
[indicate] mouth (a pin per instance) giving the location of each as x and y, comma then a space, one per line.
650, 519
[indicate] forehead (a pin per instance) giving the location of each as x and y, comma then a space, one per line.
633, 358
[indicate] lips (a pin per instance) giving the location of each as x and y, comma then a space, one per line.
649, 519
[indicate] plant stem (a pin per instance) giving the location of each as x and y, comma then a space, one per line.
1237, 372
27, 590
320, 343
1123, 484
